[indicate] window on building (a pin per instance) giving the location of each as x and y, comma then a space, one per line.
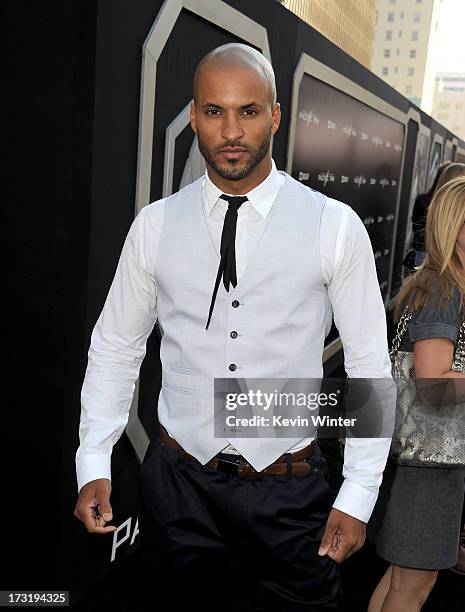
419, 1
411, 71
416, 17
408, 90
413, 53
402, 14
397, 51
390, 17
392, 1
400, 34
385, 71
388, 34
387, 52
396, 69
415, 35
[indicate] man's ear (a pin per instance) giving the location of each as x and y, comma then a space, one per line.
276, 117
193, 116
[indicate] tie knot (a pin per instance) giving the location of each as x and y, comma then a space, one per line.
234, 201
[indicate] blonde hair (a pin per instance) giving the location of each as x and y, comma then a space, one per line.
442, 267
451, 171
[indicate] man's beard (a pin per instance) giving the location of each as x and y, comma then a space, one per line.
231, 172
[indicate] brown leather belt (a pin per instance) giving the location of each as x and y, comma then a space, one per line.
291, 463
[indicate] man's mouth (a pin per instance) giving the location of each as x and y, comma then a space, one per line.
232, 152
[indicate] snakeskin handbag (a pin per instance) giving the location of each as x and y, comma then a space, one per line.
425, 435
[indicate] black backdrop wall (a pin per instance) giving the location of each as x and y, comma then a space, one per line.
74, 77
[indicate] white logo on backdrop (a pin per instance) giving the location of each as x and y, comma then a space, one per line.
124, 533
349, 131
309, 117
326, 177
360, 180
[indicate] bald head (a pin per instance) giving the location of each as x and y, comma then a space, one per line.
233, 56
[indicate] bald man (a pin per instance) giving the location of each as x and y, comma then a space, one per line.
243, 269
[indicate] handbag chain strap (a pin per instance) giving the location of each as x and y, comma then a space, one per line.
458, 362
400, 332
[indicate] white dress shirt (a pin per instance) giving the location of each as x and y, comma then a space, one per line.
343, 241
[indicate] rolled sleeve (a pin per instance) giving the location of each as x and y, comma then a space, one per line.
426, 331
440, 317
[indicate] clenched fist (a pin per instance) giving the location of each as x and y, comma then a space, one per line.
93, 506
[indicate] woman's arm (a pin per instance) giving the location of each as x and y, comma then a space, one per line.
436, 382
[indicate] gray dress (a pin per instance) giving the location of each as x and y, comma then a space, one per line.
416, 522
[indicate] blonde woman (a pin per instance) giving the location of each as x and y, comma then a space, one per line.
446, 171
416, 522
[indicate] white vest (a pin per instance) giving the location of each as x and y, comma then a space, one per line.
281, 321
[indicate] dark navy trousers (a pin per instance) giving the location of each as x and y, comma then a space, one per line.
193, 518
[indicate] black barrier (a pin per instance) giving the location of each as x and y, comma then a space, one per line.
352, 153
77, 91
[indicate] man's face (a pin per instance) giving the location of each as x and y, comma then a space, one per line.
233, 111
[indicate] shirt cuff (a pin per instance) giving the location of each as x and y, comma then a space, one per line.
355, 500
92, 466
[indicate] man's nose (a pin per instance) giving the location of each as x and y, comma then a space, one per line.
231, 128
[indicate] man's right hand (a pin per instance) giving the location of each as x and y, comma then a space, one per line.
95, 495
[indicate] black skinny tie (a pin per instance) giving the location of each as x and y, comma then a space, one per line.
227, 266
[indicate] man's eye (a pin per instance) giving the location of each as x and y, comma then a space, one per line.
249, 112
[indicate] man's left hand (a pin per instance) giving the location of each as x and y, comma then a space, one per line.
343, 536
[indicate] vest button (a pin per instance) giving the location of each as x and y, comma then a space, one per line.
235, 304
232, 367
233, 334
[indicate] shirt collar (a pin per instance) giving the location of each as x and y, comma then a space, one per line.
260, 197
